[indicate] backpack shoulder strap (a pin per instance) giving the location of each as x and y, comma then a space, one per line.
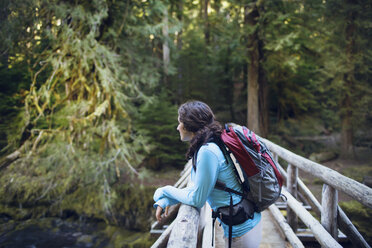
221, 186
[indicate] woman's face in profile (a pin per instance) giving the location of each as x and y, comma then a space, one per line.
184, 134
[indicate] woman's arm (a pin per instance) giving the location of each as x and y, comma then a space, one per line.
164, 202
203, 182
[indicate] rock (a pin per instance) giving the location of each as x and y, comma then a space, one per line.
76, 234
323, 156
86, 239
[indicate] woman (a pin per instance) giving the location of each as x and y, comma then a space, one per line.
198, 126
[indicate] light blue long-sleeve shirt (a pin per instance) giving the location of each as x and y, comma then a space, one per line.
210, 167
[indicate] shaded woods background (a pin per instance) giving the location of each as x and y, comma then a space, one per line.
90, 89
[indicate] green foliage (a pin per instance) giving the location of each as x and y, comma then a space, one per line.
136, 211
85, 84
360, 173
208, 70
346, 33
13, 84
158, 123
291, 58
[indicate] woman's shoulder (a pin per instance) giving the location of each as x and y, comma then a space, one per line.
213, 148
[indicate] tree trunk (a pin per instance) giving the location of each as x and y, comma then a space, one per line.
346, 129
229, 86
206, 22
263, 97
349, 80
253, 119
179, 99
166, 58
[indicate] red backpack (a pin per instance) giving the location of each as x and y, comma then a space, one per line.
255, 170
255, 167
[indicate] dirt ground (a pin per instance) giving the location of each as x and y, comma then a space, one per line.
166, 176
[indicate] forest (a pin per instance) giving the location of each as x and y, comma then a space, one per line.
90, 91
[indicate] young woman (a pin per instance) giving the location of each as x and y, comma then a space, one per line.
198, 126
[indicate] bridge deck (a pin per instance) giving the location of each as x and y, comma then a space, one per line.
272, 235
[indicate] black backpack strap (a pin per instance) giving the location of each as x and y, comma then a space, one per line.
214, 217
226, 153
221, 186
231, 220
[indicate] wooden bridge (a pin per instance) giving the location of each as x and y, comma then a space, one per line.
190, 227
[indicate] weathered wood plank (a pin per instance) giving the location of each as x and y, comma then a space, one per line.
185, 231
329, 210
323, 237
356, 190
287, 230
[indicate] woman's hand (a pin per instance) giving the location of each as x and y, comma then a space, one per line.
159, 211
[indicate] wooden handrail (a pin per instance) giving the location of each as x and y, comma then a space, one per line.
186, 225
356, 190
185, 230
343, 221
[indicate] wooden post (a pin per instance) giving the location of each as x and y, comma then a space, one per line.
329, 210
292, 172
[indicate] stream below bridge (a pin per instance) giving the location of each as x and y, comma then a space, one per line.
66, 233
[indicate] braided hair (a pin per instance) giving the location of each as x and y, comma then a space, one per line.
197, 117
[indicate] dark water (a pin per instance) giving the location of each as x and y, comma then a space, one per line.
58, 233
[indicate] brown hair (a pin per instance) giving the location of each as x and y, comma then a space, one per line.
197, 117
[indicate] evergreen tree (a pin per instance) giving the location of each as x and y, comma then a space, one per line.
158, 121
347, 64
89, 64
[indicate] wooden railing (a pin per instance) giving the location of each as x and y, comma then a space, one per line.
187, 228
330, 213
